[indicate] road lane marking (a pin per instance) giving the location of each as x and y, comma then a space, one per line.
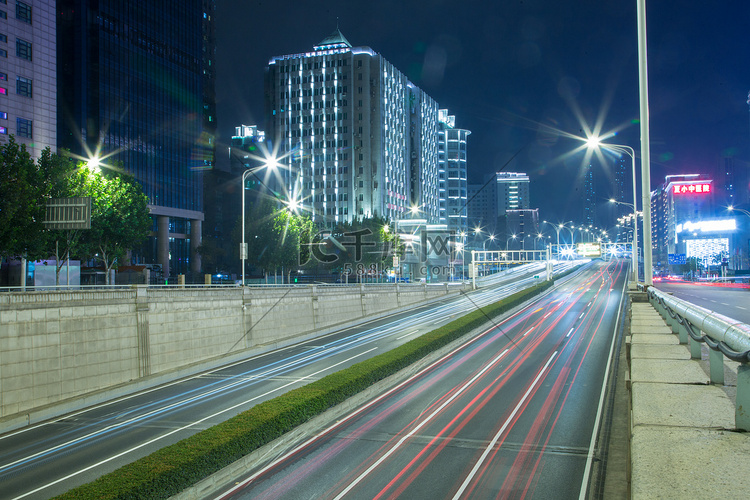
184, 427
404, 336
581, 316
597, 420
502, 430
530, 329
424, 422
571, 331
740, 307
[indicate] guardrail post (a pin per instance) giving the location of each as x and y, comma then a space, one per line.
716, 367
681, 331
742, 410
695, 348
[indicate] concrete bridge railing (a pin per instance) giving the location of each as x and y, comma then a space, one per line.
724, 337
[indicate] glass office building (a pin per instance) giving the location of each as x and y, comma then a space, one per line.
132, 90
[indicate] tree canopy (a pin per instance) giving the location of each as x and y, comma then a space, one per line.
25, 187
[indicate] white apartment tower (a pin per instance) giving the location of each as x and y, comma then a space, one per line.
28, 75
512, 191
358, 139
452, 173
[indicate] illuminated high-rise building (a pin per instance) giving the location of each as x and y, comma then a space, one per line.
357, 137
452, 173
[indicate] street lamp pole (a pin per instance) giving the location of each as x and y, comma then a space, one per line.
645, 143
270, 163
620, 148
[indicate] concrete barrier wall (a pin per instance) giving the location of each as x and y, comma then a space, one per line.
59, 345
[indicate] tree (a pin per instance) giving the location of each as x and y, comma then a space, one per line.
25, 187
275, 237
119, 215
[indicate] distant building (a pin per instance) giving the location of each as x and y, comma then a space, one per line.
482, 206
135, 85
452, 173
358, 138
512, 191
683, 220
524, 225
28, 75
589, 197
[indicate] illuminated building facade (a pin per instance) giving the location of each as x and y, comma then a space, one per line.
512, 191
683, 222
135, 85
452, 173
28, 75
357, 137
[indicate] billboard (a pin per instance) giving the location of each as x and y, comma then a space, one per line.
589, 250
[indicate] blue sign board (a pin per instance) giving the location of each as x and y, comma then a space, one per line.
677, 258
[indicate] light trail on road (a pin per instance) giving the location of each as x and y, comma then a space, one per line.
513, 413
42, 460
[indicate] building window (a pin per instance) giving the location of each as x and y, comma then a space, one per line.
3, 131
3, 14
23, 49
3, 53
23, 128
23, 12
3, 38
23, 86
3, 115
3, 91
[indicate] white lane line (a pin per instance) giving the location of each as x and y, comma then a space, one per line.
530, 330
740, 307
502, 430
724, 304
404, 336
581, 316
588, 305
568, 335
159, 438
424, 422
597, 420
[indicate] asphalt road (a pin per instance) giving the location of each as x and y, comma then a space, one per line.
43, 460
513, 413
732, 301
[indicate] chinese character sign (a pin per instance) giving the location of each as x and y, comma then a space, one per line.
692, 189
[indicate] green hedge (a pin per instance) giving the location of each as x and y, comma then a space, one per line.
174, 468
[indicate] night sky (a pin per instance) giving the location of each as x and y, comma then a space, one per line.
512, 71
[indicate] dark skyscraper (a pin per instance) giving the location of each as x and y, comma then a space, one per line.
135, 86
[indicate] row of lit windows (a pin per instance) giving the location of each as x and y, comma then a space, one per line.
318, 118
24, 127
326, 63
320, 78
319, 131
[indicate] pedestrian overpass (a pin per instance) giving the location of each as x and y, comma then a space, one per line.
484, 262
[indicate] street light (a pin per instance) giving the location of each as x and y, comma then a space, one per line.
730, 208
635, 231
595, 142
272, 163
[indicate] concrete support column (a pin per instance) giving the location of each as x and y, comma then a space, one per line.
195, 241
742, 409
162, 243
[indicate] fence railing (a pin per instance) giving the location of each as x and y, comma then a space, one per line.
724, 336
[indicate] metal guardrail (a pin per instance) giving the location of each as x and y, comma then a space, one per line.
724, 336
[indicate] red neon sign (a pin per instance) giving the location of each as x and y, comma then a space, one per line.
692, 188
